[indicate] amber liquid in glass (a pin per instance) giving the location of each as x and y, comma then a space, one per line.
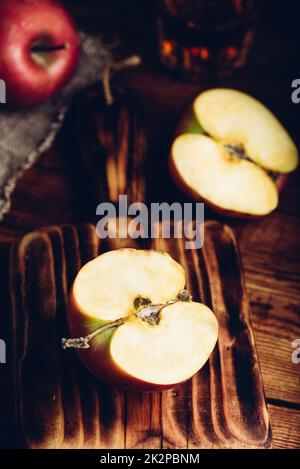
200, 39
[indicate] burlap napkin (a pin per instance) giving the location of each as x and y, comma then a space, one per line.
26, 134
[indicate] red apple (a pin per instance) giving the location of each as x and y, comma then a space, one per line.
232, 153
39, 49
152, 335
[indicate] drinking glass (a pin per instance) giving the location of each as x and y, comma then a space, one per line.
205, 38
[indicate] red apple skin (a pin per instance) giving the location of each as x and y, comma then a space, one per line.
97, 358
189, 124
23, 23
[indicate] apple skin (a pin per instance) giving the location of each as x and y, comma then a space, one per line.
27, 22
190, 124
98, 359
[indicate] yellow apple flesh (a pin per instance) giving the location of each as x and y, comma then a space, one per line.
137, 354
225, 151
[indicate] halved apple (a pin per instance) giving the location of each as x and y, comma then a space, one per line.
149, 338
230, 152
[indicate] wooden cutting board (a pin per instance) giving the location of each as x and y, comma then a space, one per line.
59, 404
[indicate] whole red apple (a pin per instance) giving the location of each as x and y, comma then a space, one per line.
39, 49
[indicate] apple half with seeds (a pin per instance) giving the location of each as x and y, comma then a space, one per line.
134, 324
232, 153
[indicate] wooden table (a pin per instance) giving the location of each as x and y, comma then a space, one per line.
45, 195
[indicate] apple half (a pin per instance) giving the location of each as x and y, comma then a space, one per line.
232, 153
150, 337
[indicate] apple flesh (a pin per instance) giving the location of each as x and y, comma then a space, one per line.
227, 152
139, 354
39, 49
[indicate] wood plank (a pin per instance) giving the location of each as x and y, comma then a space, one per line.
55, 202
270, 250
37, 388
286, 427
275, 319
107, 156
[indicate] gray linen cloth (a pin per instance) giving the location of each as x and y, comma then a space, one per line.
26, 134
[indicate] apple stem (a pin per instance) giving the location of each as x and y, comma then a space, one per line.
83, 342
44, 48
149, 312
110, 69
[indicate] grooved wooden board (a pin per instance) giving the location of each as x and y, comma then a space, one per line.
59, 404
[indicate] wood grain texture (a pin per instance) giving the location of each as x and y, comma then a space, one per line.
59, 404
108, 152
286, 427
275, 320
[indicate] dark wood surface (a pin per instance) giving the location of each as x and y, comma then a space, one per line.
46, 195
59, 404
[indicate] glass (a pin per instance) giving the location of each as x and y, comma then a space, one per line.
200, 39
